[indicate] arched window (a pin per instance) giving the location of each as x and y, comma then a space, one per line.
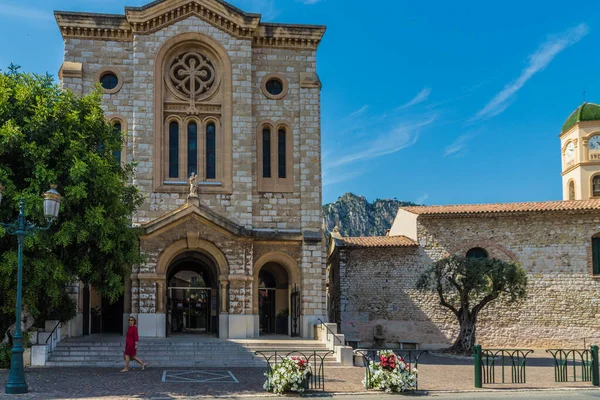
192, 149
173, 150
281, 156
266, 152
477, 252
118, 129
571, 189
193, 78
596, 255
211, 151
275, 157
596, 186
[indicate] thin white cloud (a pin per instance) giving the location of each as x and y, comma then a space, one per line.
459, 146
422, 198
401, 136
333, 178
358, 112
311, 1
422, 96
25, 12
538, 60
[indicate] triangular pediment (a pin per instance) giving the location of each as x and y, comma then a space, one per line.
162, 13
194, 211
159, 14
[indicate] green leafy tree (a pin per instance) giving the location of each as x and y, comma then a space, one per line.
51, 136
466, 286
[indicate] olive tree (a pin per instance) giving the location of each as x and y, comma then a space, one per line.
465, 286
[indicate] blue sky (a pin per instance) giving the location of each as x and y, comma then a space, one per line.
434, 102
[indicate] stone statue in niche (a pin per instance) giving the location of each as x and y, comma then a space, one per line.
193, 185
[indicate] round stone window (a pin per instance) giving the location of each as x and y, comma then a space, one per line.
110, 78
274, 86
109, 81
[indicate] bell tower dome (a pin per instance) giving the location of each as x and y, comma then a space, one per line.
580, 150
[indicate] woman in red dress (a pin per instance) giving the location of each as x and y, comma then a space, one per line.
131, 344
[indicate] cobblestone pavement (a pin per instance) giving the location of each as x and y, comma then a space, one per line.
436, 374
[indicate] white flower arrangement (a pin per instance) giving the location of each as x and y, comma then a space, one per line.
290, 375
390, 374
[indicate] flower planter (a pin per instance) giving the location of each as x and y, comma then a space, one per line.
292, 374
391, 374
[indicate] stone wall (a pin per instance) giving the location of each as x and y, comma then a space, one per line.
377, 287
561, 308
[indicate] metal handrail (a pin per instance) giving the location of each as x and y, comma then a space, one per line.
52, 333
330, 332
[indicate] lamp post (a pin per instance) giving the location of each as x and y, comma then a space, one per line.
22, 229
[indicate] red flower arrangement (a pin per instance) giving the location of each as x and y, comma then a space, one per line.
389, 362
302, 364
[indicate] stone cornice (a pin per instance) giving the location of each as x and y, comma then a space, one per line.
93, 26
159, 14
288, 36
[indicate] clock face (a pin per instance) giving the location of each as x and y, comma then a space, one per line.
570, 152
594, 143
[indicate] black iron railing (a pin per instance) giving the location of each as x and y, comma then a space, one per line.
315, 359
410, 357
52, 333
330, 332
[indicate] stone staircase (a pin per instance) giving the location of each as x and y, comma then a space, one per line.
177, 352
303, 347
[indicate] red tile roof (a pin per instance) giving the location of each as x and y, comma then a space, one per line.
376, 241
462, 209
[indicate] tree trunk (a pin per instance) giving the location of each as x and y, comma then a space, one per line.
466, 337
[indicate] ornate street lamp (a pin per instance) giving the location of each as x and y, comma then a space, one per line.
21, 229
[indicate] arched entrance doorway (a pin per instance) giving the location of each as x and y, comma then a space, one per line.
192, 295
273, 299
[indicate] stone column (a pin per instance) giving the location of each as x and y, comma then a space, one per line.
160, 296
224, 295
223, 309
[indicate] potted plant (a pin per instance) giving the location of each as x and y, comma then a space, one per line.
290, 375
281, 322
390, 374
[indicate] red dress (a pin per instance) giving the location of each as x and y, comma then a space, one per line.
131, 340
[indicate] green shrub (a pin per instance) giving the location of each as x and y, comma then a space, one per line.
63, 310
5, 354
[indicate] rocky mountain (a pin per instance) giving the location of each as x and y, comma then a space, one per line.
355, 216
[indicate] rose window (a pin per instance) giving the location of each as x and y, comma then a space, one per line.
193, 75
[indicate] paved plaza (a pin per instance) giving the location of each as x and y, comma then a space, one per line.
437, 375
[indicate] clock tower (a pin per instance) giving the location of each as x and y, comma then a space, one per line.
580, 150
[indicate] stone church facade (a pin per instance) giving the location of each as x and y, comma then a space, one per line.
221, 114
372, 280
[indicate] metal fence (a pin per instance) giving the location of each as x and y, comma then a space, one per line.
410, 357
315, 358
571, 364
488, 361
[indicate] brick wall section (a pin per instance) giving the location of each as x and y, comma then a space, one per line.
561, 309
